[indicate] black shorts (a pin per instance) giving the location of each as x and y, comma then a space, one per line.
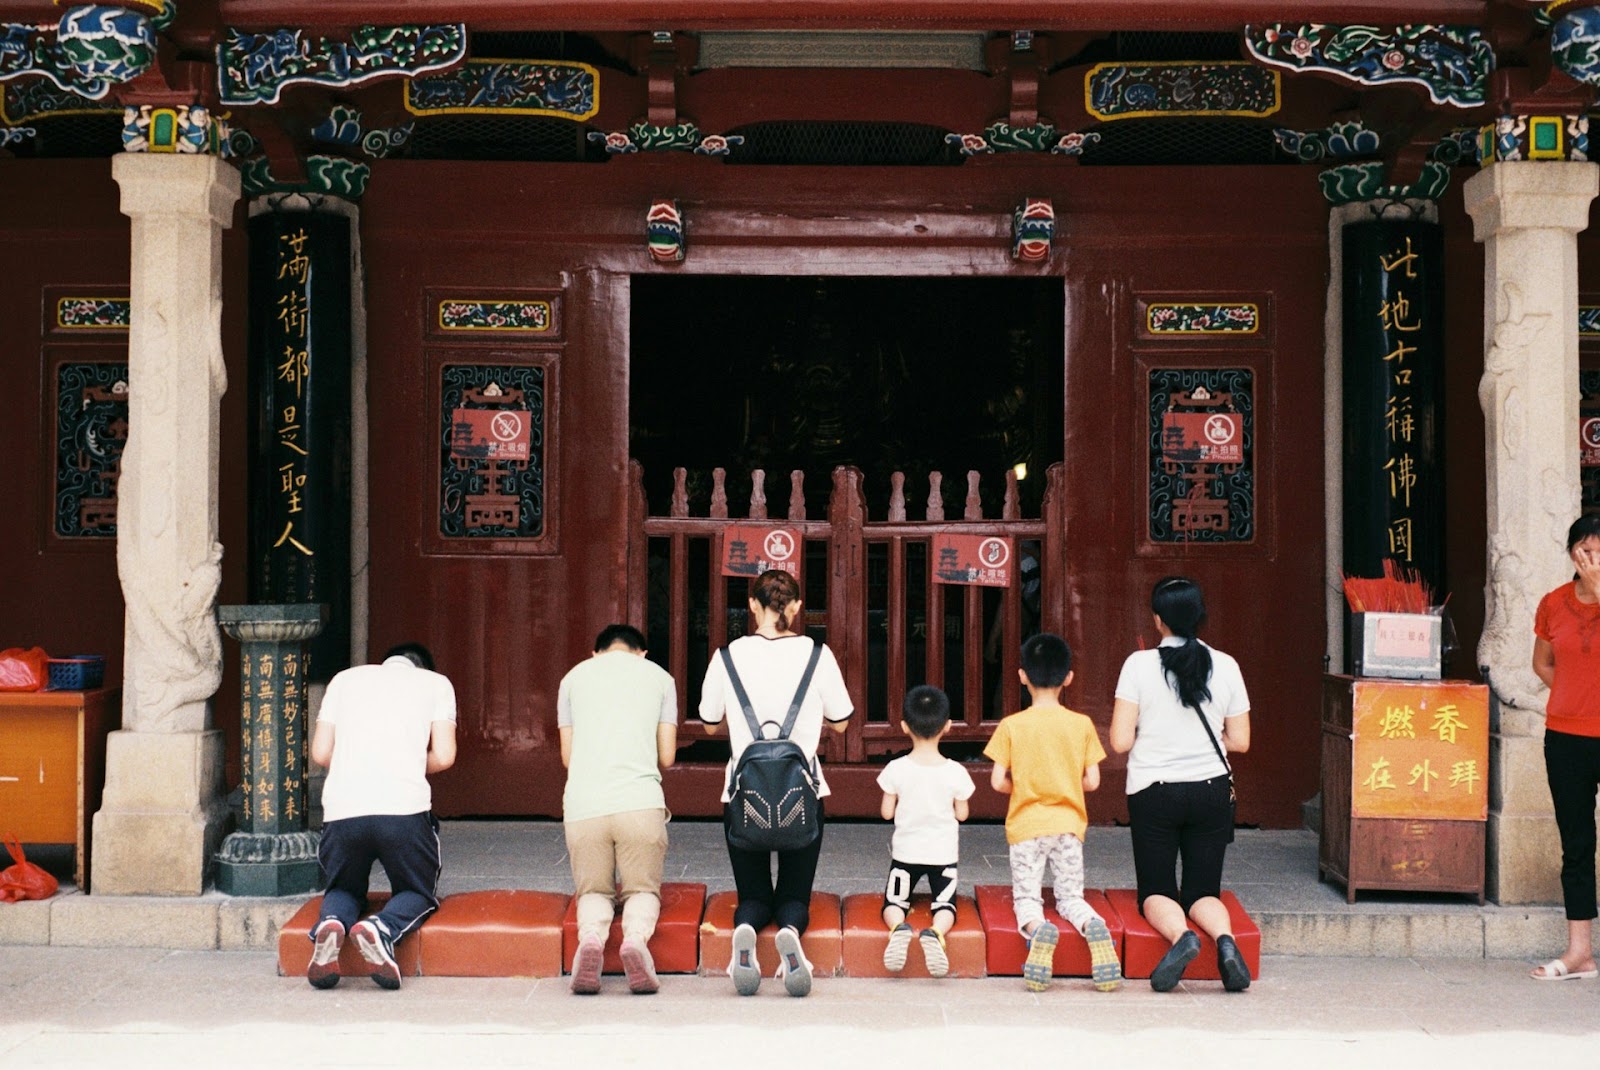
904, 878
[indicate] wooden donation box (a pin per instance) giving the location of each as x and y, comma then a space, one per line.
53, 766
1405, 784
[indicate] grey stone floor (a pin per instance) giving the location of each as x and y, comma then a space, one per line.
103, 1007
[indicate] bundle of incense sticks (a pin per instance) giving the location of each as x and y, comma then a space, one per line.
1398, 590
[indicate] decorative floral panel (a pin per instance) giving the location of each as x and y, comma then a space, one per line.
93, 313
1132, 91
509, 87
492, 437
1451, 62
1187, 319
254, 68
525, 317
91, 431
1202, 455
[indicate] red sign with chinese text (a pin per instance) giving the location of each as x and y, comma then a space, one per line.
748, 550
985, 560
1589, 435
1210, 437
1421, 751
490, 434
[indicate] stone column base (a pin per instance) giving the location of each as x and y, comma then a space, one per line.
163, 813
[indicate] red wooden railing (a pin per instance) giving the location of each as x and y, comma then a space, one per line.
850, 545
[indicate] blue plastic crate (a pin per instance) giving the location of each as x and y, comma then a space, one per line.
80, 672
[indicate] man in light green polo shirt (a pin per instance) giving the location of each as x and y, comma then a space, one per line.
618, 716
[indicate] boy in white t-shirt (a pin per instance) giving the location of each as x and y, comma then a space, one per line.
925, 794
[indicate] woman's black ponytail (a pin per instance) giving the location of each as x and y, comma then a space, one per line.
1181, 607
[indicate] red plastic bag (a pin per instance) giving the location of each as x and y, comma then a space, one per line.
24, 880
23, 670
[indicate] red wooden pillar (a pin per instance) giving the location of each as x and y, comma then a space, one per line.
847, 596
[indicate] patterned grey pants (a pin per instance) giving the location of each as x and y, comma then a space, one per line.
1064, 855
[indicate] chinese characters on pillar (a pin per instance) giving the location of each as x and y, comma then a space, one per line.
272, 737
1393, 398
300, 427
1421, 751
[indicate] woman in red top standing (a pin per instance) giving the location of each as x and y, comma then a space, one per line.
1566, 656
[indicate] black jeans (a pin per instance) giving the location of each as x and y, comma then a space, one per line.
1193, 819
407, 846
788, 901
1572, 765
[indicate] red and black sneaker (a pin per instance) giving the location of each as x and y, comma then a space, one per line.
326, 941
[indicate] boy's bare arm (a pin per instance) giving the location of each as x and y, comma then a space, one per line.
1091, 777
962, 809
888, 805
1000, 779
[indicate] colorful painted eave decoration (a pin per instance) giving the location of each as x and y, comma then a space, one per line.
1341, 141
26, 99
93, 48
255, 68
94, 313
1033, 228
509, 87
1353, 182
1589, 321
1202, 318
1187, 88
518, 317
332, 175
664, 232
1451, 62
1575, 43
682, 137
1534, 137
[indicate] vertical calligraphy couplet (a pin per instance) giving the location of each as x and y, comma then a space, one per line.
1394, 398
300, 420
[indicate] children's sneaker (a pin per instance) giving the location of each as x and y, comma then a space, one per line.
372, 940
742, 967
326, 941
1104, 970
1040, 965
586, 965
640, 968
934, 953
794, 969
894, 955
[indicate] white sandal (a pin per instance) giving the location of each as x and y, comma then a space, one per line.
1556, 970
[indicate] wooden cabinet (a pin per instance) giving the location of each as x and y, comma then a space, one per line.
1405, 767
53, 765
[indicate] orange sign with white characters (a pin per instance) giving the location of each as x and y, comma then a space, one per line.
1421, 751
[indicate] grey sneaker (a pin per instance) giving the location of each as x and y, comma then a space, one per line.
894, 954
793, 966
743, 967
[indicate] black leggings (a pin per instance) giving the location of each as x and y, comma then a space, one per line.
1572, 765
1193, 819
788, 901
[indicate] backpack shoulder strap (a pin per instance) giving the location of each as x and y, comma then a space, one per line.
800, 692
740, 694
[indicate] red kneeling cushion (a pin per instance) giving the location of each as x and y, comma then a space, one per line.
675, 947
865, 937
294, 944
1143, 947
502, 933
820, 942
1008, 948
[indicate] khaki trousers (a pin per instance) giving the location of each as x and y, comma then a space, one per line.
618, 856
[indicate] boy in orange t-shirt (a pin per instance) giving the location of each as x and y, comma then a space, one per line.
1046, 757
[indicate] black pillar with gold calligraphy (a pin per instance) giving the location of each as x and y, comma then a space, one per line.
300, 427
1394, 398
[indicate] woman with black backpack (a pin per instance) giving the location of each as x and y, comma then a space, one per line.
776, 689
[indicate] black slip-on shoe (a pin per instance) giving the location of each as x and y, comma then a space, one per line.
1231, 966
1169, 971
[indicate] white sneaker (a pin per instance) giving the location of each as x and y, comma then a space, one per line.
743, 967
794, 969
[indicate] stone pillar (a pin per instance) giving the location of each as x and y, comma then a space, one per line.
164, 810
1527, 214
